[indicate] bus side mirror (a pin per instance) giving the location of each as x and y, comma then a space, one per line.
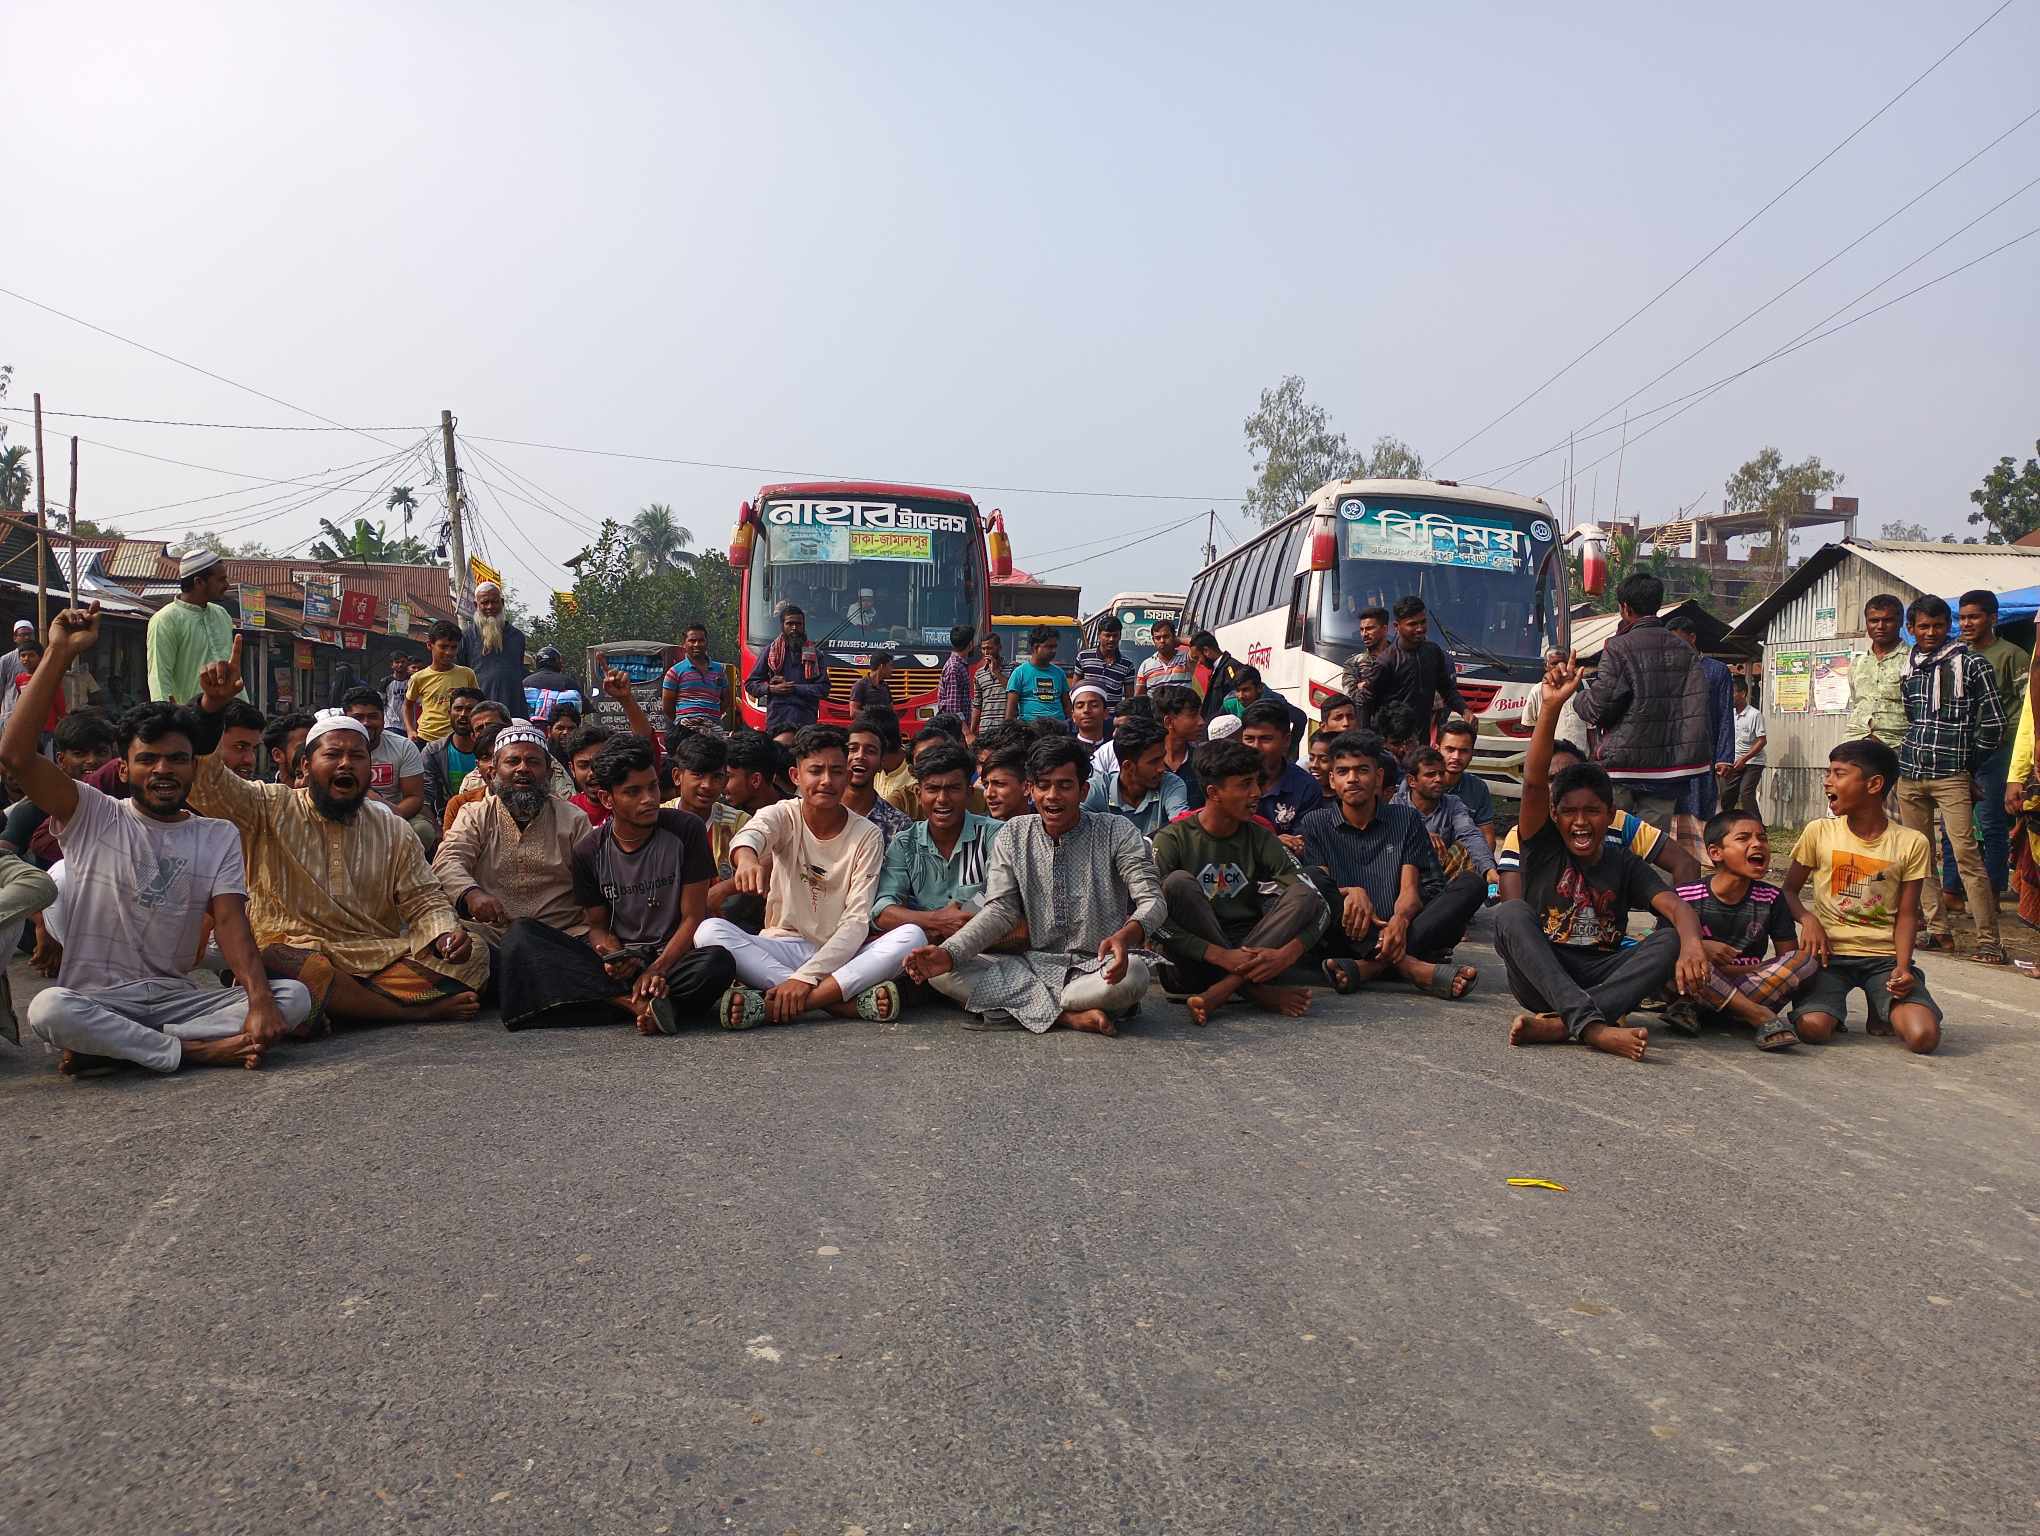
1593, 566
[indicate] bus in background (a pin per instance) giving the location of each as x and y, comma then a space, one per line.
1137, 612
874, 567
1021, 604
1488, 565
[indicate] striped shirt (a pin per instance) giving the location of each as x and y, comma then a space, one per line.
1114, 678
698, 691
1749, 925
991, 697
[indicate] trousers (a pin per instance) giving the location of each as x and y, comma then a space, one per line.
1653, 800
764, 963
1194, 923
1581, 986
1434, 932
147, 1022
1918, 799
1087, 989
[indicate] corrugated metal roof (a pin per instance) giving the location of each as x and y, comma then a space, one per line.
139, 560
1591, 635
1948, 570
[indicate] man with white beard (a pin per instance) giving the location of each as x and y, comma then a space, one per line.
494, 648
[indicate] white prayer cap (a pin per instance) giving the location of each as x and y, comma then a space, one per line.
484, 587
1086, 691
330, 720
23, 627
196, 562
1222, 728
520, 731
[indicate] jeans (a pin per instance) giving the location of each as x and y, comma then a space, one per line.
1581, 986
1434, 931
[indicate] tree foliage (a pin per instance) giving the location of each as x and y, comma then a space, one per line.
16, 479
617, 597
1393, 459
367, 541
1294, 452
2008, 501
1769, 485
658, 540
1903, 530
195, 538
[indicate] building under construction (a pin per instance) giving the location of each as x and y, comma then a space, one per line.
1736, 576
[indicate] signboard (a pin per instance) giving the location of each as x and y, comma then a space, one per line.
644, 662
879, 544
254, 607
322, 598
357, 610
1375, 532
1831, 682
1791, 676
325, 634
861, 514
811, 546
301, 654
482, 572
400, 618
354, 639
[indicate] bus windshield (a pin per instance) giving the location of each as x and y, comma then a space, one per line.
1487, 577
866, 573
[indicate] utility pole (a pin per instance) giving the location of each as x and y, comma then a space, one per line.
72, 525
42, 530
456, 539
1210, 536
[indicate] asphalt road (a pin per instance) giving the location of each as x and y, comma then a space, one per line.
1263, 1277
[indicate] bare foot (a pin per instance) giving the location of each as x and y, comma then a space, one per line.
1290, 1002
234, 1051
80, 1064
1616, 1040
646, 1024
1092, 1021
462, 1005
1536, 1029
1200, 1009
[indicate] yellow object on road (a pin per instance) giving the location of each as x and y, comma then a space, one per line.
1537, 1184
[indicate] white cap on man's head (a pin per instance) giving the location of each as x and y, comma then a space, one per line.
23, 627
484, 588
1222, 727
1087, 691
331, 720
196, 562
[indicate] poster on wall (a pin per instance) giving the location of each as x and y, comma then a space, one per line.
354, 639
357, 610
254, 607
302, 655
322, 597
1791, 682
1831, 682
400, 618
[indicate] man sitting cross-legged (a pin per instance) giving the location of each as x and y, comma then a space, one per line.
934, 876
640, 885
143, 876
506, 859
1240, 911
1073, 877
1740, 917
1562, 943
339, 893
818, 890
1372, 862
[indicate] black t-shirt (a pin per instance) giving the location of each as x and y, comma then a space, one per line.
641, 888
1750, 925
1584, 906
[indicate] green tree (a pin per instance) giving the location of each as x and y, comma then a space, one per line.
195, 538
1902, 530
1769, 485
657, 539
1294, 451
16, 481
617, 597
404, 504
1393, 459
2008, 501
367, 542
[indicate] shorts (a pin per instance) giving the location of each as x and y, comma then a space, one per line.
1700, 796
1829, 990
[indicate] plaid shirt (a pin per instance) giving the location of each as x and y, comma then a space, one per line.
953, 692
1946, 743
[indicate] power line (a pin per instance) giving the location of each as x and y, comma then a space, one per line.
815, 474
560, 508
1129, 544
1718, 245
180, 463
1517, 464
225, 426
239, 490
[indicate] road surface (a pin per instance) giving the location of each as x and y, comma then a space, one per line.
1261, 1277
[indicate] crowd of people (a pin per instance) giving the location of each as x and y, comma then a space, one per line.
1043, 854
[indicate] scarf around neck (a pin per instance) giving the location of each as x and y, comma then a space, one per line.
808, 661
1936, 662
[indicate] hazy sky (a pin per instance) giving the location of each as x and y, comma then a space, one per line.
1060, 249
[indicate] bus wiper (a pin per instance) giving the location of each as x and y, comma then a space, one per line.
1462, 643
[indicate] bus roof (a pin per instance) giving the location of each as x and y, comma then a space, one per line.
1447, 490
820, 488
1143, 600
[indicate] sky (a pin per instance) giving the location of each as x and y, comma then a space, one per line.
1049, 249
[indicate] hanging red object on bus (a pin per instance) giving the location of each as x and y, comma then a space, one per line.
998, 547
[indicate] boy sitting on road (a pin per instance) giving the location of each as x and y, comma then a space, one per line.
1740, 915
1865, 912
1562, 942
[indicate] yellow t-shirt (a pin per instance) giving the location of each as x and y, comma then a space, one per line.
433, 693
1855, 884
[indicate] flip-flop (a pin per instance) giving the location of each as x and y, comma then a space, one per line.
740, 1008
1991, 954
1444, 974
1344, 976
1776, 1035
880, 1004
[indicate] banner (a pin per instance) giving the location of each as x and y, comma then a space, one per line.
400, 618
302, 655
357, 610
325, 634
354, 639
254, 608
482, 573
1791, 678
322, 597
1831, 682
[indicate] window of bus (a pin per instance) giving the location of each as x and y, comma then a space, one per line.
1491, 580
864, 586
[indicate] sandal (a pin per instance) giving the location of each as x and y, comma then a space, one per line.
1446, 980
1928, 941
740, 1008
1683, 1015
1344, 976
1776, 1035
1990, 954
880, 1004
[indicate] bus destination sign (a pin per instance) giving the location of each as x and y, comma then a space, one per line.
862, 514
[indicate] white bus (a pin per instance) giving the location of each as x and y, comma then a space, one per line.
1137, 613
1488, 565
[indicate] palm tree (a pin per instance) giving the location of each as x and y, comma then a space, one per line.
401, 500
15, 480
657, 541
367, 542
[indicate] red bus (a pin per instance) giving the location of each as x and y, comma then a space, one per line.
874, 567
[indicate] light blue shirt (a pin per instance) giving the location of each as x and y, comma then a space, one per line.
1164, 803
916, 875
